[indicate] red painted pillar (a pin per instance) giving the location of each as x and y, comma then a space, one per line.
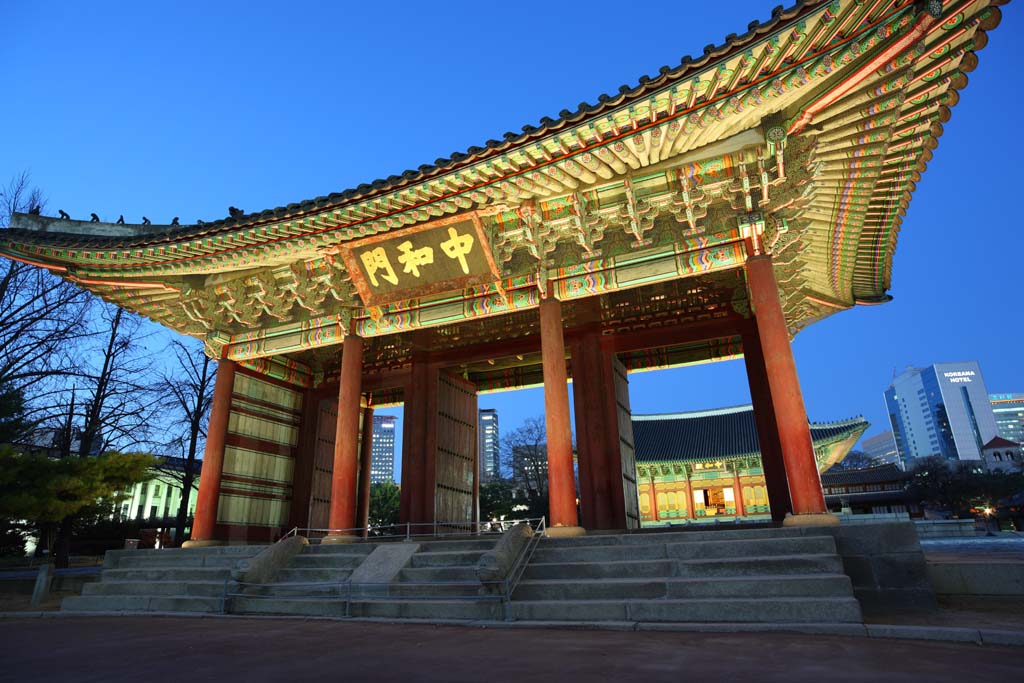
346, 444
737, 494
365, 460
561, 481
419, 444
654, 500
767, 429
213, 457
787, 401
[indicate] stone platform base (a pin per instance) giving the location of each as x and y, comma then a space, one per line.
826, 519
337, 539
202, 544
885, 564
564, 531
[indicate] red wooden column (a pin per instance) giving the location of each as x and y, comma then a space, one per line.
419, 444
205, 519
767, 429
346, 444
790, 415
365, 460
738, 494
561, 481
654, 500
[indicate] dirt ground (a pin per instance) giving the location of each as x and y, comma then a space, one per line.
194, 649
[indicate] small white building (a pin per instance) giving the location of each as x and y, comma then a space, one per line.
1003, 455
157, 499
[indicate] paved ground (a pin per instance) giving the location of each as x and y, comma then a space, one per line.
158, 649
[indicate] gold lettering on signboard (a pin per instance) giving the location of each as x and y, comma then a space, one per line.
377, 259
442, 256
412, 258
457, 246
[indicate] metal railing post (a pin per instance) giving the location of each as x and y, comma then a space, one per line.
408, 531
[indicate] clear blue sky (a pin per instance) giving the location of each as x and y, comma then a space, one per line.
182, 109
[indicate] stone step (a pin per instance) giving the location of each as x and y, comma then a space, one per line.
172, 588
429, 609
774, 610
312, 574
385, 608
587, 571
814, 585
449, 558
425, 574
140, 603
167, 574
359, 549
762, 547
691, 550
326, 561
180, 561
484, 543
660, 537
746, 566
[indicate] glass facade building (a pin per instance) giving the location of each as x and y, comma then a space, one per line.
881, 449
1009, 412
382, 460
488, 443
941, 410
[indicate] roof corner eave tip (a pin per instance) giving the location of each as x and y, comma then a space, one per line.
873, 300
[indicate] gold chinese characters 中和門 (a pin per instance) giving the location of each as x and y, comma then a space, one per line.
436, 257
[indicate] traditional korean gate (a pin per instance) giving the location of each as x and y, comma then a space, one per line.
456, 492
323, 465
626, 449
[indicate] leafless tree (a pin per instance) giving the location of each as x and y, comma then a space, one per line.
114, 384
41, 317
186, 391
525, 453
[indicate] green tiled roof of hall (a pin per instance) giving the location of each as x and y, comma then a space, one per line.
720, 433
868, 475
646, 85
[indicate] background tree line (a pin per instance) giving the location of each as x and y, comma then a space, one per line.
84, 409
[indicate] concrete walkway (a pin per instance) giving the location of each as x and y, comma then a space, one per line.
197, 649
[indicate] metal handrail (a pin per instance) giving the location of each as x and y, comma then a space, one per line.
345, 589
409, 530
519, 566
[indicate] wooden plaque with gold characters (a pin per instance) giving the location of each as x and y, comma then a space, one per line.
441, 256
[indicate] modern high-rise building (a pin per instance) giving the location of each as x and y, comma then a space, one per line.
382, 460
881, 449
1009, 412
941, 410
487, 443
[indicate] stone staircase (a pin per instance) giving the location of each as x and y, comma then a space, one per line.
756, 575
448, 566
718, 576
171, 580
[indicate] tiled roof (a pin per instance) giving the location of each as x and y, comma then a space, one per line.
178, 464
645, 85
720, 433
868, 497
867, 475
1000, 442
